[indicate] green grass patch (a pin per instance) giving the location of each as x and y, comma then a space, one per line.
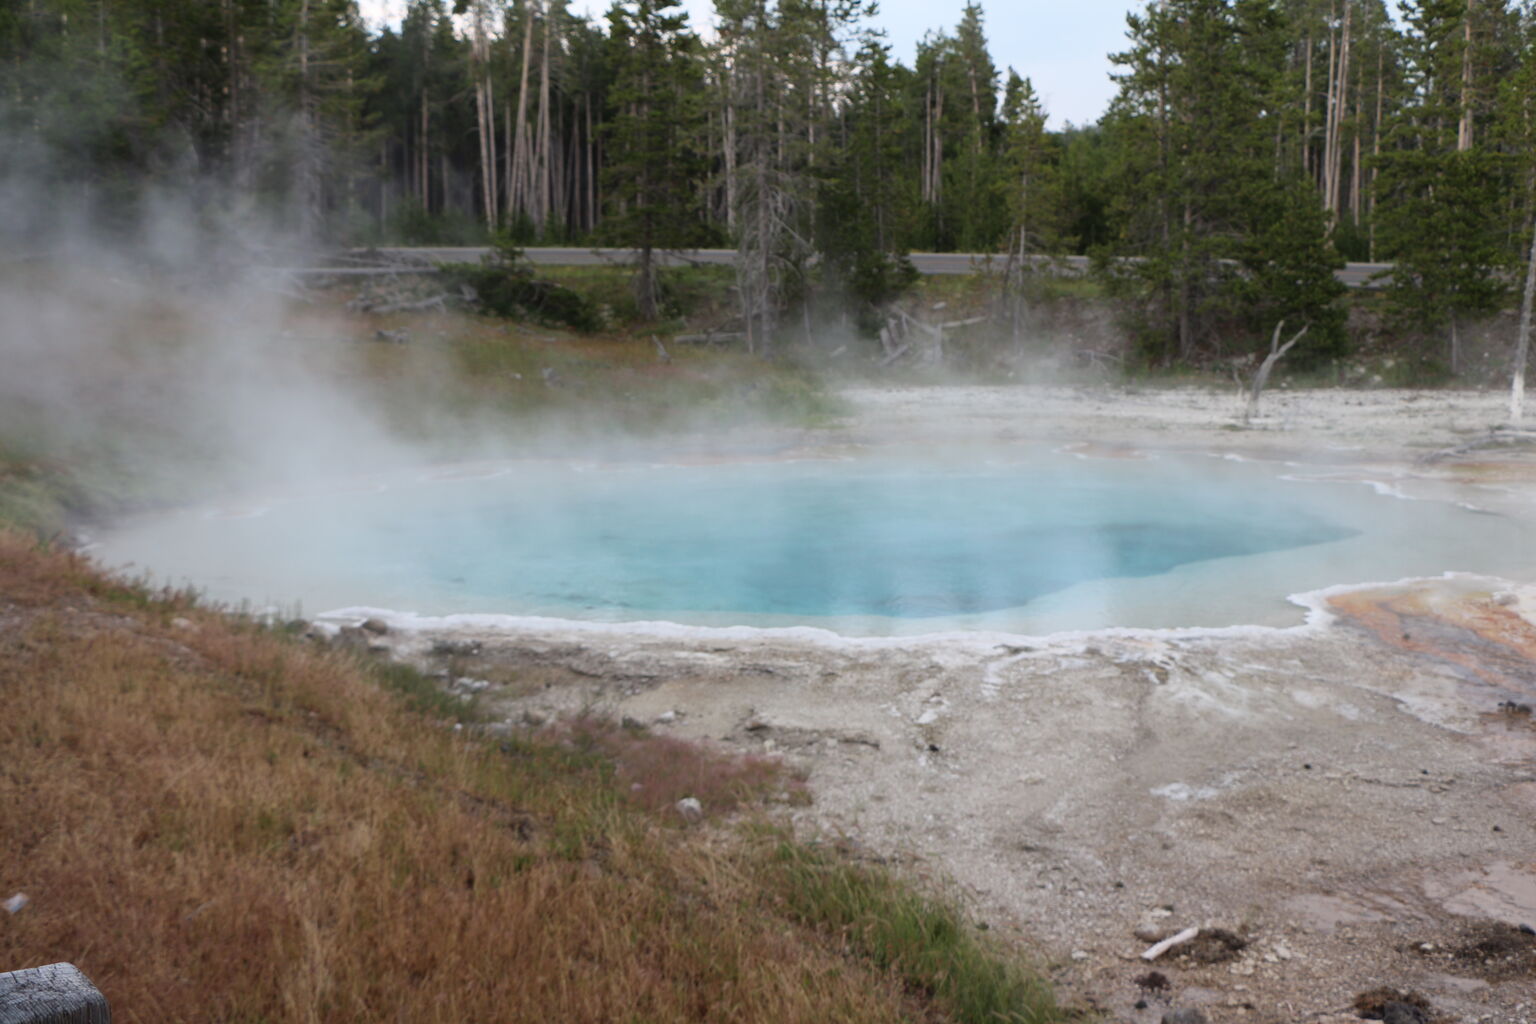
424, 694
925, 941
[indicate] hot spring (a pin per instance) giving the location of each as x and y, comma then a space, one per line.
1032, 543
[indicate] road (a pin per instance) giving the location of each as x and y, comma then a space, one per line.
1355, 275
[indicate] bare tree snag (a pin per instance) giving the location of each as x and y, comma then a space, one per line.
518, 188
1523, 340
1276, 352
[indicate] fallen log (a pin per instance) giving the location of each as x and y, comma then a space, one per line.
711, 338
405, 305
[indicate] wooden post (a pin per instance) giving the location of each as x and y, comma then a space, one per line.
51, 994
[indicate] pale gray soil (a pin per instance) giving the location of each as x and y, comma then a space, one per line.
1351, 802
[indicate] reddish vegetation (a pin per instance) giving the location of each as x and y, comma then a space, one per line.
655, 772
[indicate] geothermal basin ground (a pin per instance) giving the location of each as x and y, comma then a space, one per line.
1339, 805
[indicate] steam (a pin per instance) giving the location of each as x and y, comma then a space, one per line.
153, 352
149, 348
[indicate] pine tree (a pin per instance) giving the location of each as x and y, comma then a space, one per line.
1290, 270
1439, 188
955, 88
975, 212
1192, 128
1029, 187
780, 63
309, 65
862, 204
655, 169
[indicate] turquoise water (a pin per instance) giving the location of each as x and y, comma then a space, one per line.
845, 540
872, 545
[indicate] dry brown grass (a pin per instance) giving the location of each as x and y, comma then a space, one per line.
219, 824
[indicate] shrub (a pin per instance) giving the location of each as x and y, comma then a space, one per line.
505, 285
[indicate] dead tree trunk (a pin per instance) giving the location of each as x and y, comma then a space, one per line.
542, 190
1276, 352
485, 115
1464, 125
517, 181
1523, 339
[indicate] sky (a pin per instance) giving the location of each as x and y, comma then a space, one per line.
1062, 48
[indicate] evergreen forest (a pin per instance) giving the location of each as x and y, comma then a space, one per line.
1252, 146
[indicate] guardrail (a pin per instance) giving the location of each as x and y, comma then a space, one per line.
51, 994
426, 259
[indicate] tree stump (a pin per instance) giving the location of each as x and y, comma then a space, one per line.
51, 994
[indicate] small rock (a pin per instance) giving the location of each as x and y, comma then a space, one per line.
691, 810
16, 903
182, 623
534, 718
378, 627
1184, 1016
1079, 954
1150, 933
352, 638
667, 717
1404, 1013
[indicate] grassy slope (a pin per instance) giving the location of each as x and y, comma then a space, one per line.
220, 822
